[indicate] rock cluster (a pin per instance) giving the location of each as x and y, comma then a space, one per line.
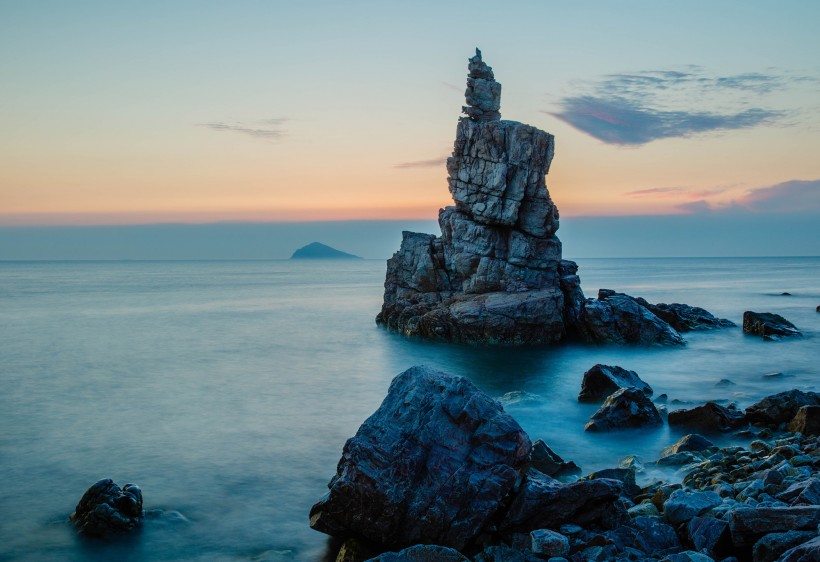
496, 273
106, 509
440, 471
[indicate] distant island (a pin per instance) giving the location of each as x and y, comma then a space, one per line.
319, 251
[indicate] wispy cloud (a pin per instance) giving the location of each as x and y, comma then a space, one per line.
795, 196
432, 163
677, 192
637, 108
268, 129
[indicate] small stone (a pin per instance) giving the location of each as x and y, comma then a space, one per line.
768, 325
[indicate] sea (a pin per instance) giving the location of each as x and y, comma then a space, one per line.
227, 389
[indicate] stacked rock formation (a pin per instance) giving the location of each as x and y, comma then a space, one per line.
496, 275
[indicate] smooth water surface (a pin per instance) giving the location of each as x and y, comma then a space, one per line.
226, 390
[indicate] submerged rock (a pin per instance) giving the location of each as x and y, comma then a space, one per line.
768, 325
688, 443
602, 380
619, 318
106, 509
626, 408
545, 460
433, 465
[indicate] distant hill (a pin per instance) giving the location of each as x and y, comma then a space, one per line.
319, 251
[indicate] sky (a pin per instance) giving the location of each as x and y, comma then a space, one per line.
131, 113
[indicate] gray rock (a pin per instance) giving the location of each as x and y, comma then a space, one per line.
683, 506
806, 552
433, 464
709, 417
692, 442
545, 460
806, 420
543, 502
626, 408
422, 553
653, 535
483, 93
781, 407
626, 476
619, 318
709, 535
504, 553
547, 543
768, 325
602, 380
687, 556
748, 525
685, 318
772, 546
106, 509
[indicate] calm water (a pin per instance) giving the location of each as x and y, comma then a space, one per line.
226, 390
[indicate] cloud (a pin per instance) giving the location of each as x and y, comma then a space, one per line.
637, 108
795, 196
432, 163
656, 191
678, 191
268, 129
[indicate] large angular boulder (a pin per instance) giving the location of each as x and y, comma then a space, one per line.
709, 417
422, 553
773, 545
768, 325
626, 408
543, 502
685, 318
688, 443
602, 380
106, 509
433, 465
805, 552
547, 461
683, 505
781, 407
618, 318
748, 525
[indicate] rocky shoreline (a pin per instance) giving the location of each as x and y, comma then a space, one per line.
441, 472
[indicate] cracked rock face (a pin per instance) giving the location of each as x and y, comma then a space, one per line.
496, 275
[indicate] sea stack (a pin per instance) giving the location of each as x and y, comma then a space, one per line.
495, 275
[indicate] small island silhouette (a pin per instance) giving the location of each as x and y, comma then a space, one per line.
319, 251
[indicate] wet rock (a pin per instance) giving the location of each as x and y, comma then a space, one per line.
806, 421
683, 506
806, 492
804, 553
653, 535
685, 318
692, 442
626, 476
781, 407
547, 543
422, 553
773, 545
602, 380
433, 464
768, 325
619, 318
709, 535
106, 509
644, 509
626, 408
709, 417
748, 525
687, 556
545, 503
545, 460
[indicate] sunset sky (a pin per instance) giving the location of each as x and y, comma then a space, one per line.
151, 112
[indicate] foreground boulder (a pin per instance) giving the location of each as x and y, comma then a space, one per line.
768, 325
709, 417
106, 509
432, 465
626, 408
806, 420
602, 380
422, 553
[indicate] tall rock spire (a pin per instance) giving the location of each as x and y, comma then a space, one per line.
483, 93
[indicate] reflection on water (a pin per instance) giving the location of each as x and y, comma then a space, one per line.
227, 389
